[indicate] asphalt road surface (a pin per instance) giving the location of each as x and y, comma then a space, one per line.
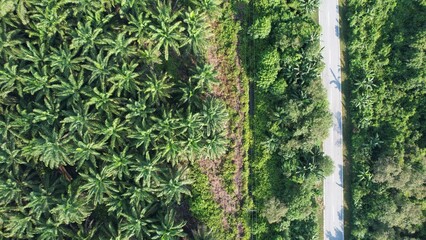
333, 185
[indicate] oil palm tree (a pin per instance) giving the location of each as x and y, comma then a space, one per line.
65, 61
215, 147
151, 56
158, 88
167, 32
178, 185
362, 101
121, 47
214, 116
88, 150
136, 222
99, 68
10, 156
140, 195
6, 131
85, 37
167, 125
52, 149
38, 82
191, 93
12, 192
116, 203
49, 230
83, 7
118, 164
20, 225
191, 147
47, 112
197, 30
365, 177
84, 231
8, 40
42, 197
139, 111
143, 137
205, 76
80, 120
367, 84
10, 79
272, 143
33, 54
97, 186
148, 170
47, 21
170, 150
164, 12
168, 229
211, 7
113, 132
39, 202
71, 208
202, 233
104, 100
138, 25
192, 124
69, 90
309, 5
168, 37
21, 123
111, 232
125, 78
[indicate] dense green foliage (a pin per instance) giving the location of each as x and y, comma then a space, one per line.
387, 72
103, 105
291, 119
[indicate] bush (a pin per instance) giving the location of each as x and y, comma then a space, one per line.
261, 28
274, 210
269, 65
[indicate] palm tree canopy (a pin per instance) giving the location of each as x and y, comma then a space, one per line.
102, 112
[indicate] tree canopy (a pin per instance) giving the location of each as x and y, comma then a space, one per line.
387, 75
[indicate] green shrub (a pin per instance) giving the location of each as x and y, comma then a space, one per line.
269, 65
274, 210
261, 28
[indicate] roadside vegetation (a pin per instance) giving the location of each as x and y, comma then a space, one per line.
220, 197
386, 44
291, 118
107, 111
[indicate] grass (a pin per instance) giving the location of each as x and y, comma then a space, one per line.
320, 214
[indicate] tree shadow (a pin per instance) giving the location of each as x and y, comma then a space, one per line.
338, 125
340, 213
336, 80
340, 183
338, 235
337, 28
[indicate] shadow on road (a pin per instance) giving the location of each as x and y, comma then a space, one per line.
338, 125
340, 183
340, 213
336, 81
338, 235
337, 30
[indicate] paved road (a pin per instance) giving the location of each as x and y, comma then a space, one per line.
333, 185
